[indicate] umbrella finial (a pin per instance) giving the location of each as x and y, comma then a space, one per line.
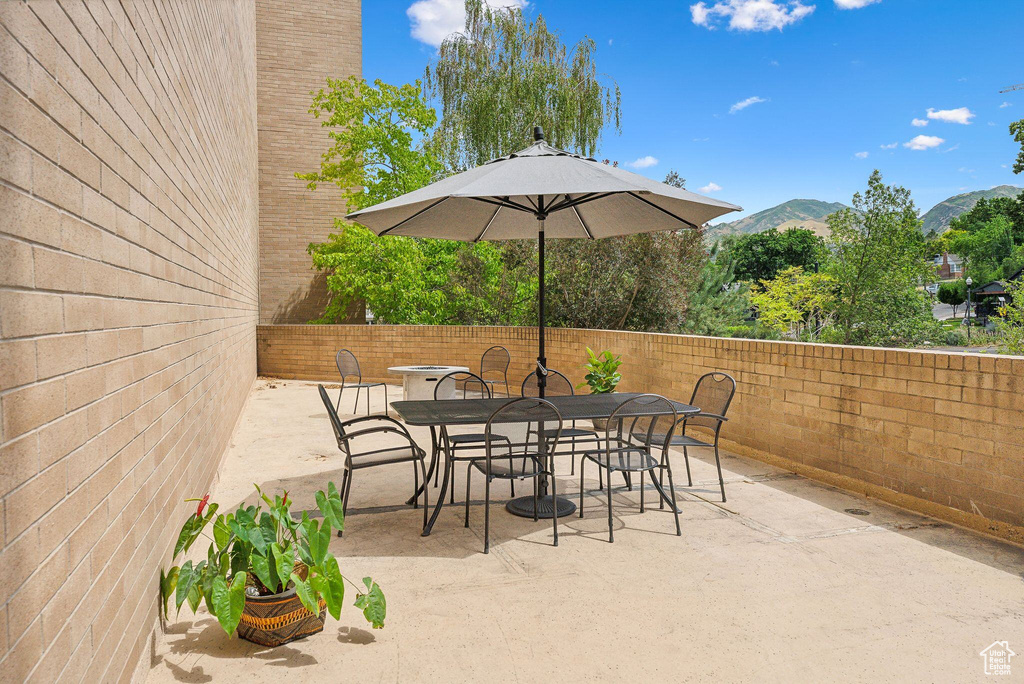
538, 133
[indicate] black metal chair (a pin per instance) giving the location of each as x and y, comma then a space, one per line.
712, 394
557, 385
470, 441
348, 366
636, 430
404, 450
495, 362
514, 460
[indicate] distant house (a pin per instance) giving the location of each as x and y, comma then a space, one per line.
948, 266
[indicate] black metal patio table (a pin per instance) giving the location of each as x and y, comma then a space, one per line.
442, 414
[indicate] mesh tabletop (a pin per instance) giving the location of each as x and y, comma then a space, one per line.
477, 411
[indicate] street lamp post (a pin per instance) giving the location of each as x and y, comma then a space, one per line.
969, 282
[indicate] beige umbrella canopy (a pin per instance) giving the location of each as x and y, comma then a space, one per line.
576, 197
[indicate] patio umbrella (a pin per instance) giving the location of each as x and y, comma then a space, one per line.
536, 193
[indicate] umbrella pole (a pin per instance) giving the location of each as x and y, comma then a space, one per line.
542, 362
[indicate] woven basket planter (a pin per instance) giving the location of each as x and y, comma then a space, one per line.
279, 618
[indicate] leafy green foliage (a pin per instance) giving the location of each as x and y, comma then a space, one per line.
953, 293
877, 264
372, 603
796, 302
269, 551
716, 301
1010, 325
1017, 131
602, 372
501, 76
762, 256
989, 237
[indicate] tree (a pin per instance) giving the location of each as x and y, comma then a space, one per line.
761, 256
1017, 131
984, 246
954, 294
796, 302
877, 263
502, 75
716, 301
1011, 322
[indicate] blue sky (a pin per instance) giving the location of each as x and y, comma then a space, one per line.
828, 90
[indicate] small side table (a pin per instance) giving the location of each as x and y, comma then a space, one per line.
418, 382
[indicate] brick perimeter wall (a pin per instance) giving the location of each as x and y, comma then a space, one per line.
938, 432
128, 309
300, 44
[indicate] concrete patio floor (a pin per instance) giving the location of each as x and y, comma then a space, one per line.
781, 583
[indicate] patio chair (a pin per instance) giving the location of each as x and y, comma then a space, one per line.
348, 366
558, 385
494, 363
517, 460
402, 450
712, 394
651, 421
471, 441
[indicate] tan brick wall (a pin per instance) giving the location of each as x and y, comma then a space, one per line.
300, 45
128, 306
941, 432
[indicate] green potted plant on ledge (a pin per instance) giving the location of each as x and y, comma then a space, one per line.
602, 376
267, 575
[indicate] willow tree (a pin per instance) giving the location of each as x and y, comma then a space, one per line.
502, 76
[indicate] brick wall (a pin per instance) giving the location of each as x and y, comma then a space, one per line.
128, 306
938, 432
300, 44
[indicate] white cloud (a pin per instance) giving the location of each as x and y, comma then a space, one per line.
710, 187
919, 122
611, 40
924, 142
643, 162
1005, 105
701, 139
854, 4
950, 149
890, 146
960, 115
774, 62
743, 104
434, 20
861, 155
750, 15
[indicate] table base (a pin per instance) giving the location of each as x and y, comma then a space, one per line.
523, 507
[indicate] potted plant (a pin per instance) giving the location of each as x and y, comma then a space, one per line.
602, 376
266, 574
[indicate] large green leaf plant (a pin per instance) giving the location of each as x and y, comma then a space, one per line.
264, 552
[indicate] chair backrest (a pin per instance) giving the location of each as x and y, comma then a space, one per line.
712, 394
495, 360
339, 431
347, 365
521, 425
647, 418
557, 385
461, 380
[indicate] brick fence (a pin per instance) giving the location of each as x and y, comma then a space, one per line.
936, 432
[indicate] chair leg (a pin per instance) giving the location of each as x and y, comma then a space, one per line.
675, 508
355, 406
554, 499
721, 480
344, 488
469, 479
600, 477
487, 514
386, 403
642, 491
426, 500
337, 406
415, 486
452, 490
686, 457
536, 497
582, 463
435, 447
344, 500
572, 461
611, 537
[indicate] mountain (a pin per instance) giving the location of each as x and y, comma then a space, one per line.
939, 217
797, 213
